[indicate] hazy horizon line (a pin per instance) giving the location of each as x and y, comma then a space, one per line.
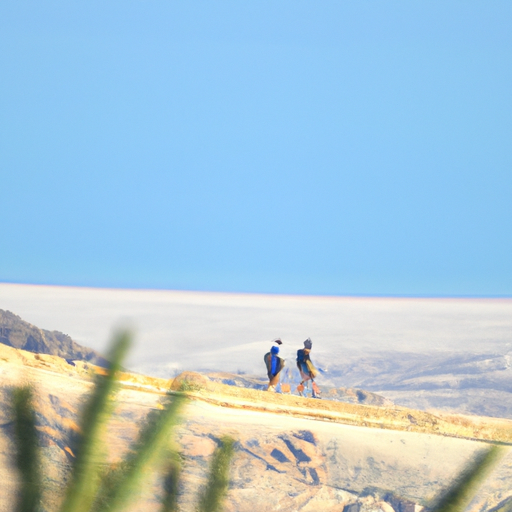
260, 293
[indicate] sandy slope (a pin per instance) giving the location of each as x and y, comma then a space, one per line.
293, 453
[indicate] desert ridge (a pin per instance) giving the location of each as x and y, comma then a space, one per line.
293, 453
207, 389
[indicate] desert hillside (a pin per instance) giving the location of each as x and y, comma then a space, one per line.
16, 332
293, 453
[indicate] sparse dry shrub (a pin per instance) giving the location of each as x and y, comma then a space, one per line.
188, 385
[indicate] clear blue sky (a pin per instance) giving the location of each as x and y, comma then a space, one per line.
333, 147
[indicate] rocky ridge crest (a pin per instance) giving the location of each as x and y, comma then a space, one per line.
17, 333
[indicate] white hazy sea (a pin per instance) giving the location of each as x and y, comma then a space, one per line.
180, 330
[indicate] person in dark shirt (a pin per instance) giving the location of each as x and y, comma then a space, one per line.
307, 370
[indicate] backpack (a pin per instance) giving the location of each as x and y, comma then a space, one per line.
268, 363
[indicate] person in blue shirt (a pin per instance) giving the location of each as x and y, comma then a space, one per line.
274, 366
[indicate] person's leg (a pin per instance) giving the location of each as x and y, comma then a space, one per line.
306, 382
273, 383
301, 388
278, 382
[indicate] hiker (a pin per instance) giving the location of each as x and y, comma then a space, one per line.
307, 370
274, 366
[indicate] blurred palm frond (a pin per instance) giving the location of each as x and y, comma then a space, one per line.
216, 488
460, 493
27, 450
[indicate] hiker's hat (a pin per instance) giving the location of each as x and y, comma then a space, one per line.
308, 343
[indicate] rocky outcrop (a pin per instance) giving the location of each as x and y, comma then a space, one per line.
356, 396
19, 334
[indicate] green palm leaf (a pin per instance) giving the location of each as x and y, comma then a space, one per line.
84, 482
457, 497
27, 450
216, 488
150, 446
171, 484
